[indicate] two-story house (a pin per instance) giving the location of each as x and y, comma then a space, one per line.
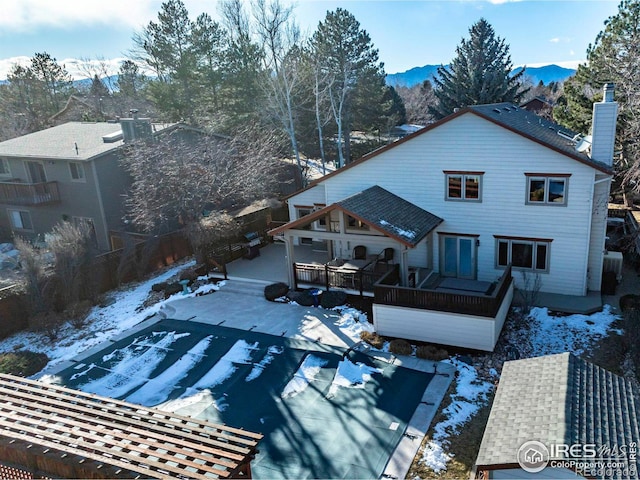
69, 172
456, 213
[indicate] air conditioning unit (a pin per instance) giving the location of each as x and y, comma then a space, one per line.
612, 262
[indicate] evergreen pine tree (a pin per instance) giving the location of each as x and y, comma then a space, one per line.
479, 74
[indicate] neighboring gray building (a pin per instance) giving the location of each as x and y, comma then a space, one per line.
69, 172
546, 403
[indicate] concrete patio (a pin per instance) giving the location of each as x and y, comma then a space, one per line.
271, 265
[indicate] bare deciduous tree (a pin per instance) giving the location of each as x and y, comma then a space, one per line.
74, 251
187, 174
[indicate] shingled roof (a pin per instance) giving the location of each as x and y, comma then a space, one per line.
536, 128
381, 210
558, 399
60, 142
507, 115
391, 214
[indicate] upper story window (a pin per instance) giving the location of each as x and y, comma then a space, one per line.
547, 189
5, 171
463, 186
77, 171
523, 253
355, 224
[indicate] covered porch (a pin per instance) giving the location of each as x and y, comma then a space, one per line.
359, 239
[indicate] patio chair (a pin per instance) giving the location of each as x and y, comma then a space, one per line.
385, 256
360, 252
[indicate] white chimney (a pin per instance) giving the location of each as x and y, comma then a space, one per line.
603, 130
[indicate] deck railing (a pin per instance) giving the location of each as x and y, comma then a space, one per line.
329, 276
25, 194
388, 292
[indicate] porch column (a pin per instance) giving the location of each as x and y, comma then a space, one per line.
288, 244
404, 266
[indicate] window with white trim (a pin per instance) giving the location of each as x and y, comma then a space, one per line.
20, 219
523, 254
463, 186
5, 171
77, 171
547, 190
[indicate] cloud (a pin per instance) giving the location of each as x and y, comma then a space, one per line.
78, 69
25, 15
555, 40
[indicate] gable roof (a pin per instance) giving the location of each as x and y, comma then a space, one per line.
60, 142
558, 399
516, 119
383, 211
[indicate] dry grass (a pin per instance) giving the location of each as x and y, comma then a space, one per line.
373, 339
400, 347
463, 447
431, 352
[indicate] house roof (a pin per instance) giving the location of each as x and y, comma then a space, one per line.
383, 211
516, 119
537, 128
558, 399
60, 142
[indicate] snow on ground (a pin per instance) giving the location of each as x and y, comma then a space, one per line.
316, 170
306, 373
547, 334
351, 375
573, 333
125, 310
470, 394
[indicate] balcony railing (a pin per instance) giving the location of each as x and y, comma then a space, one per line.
25, 194
329, 276
387, 292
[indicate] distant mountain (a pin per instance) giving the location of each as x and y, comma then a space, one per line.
417, 75
547, 74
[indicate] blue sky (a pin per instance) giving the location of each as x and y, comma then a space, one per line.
407, 33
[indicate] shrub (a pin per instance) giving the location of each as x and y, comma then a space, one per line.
159, 287
275, 290
172, 289
372, 338
431, 352
47, 322
77, 313
400, 346
629, 301
333, 298
188, 274
303, 298
24, 363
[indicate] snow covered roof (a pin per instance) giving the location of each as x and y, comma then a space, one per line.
391, 214
558, 399
381, 210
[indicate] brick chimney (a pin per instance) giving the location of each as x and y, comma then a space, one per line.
603, 130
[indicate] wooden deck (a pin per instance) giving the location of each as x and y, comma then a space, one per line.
64, 433
388, 292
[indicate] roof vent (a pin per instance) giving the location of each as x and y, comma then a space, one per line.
112, 137
497, 110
